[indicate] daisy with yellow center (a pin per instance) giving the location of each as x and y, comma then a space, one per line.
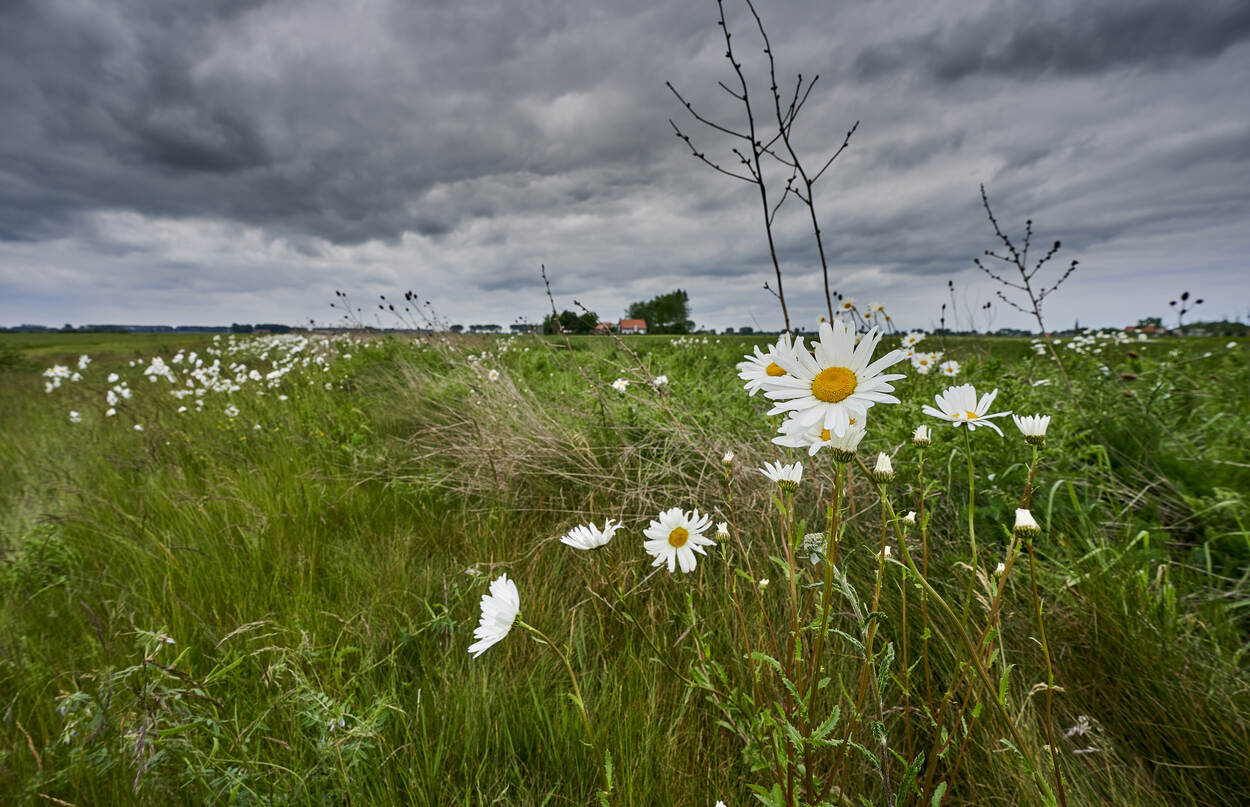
762, 369
817, 437
960, 405
676, 536
837, 384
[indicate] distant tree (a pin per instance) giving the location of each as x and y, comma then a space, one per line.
1146, 322
729, 330
667, 313
746, 329
456, 329
571, 322
238, 327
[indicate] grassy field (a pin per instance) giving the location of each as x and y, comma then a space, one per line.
267, 598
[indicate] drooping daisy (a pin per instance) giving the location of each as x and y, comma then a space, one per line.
675, 536
763, 368
817, 437
1026, 525
949, 368
1033, 427
959, 405
787, 477
499, 610
839, 383
588, 536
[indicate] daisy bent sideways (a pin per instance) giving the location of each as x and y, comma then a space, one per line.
588, 536
960, 405
675, 536
760, 370
837, 385
499, 611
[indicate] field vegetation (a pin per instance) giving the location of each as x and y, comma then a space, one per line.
267, 598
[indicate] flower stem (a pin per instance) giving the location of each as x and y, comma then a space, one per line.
578, 700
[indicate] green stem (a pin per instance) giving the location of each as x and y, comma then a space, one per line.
577, 690
1050, 680
972, 527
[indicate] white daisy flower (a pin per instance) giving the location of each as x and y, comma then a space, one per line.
761, 370
839, 383
949, 368
620, 384
659, 381
913, 338
925, 363
232, 411
588, 536
493, 375
1230, 346
675, 537
138, 427
787, 477
110, 412
83, 361
499, 610
847, 305
74, 417
959, 405
113, 378
817, 437
1033, 427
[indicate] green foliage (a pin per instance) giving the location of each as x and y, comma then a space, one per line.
665, 313
570, 322
312, 575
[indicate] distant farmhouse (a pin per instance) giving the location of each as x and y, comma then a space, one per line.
624, 326
485, 329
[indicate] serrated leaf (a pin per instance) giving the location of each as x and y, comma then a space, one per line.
1003, 682
938, 793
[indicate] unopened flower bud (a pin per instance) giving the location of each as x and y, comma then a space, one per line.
1026, 526
921, 437
910, 518
884, 471
722, 530
764, 583
1000, 568
728, 459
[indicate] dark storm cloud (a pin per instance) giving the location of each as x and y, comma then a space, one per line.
1027, 40
201, 151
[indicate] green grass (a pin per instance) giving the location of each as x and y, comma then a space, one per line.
312, 574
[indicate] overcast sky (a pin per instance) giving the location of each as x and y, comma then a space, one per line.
238, 160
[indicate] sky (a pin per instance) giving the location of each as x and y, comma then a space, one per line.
241, 160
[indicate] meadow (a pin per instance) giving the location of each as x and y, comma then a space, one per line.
262, 590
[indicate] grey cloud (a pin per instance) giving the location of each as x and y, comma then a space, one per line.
1027, 40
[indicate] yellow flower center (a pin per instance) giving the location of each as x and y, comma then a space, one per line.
826, 435
834, 384
971, 415
774, 369
678, 537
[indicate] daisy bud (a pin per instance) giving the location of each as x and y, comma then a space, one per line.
728, 459
1033, 428
787, 477
884, 471
888, 552
1026, 527
722, 530
1000, 568
764, 583
921, 437
910, 518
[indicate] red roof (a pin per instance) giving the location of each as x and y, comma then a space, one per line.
633, 323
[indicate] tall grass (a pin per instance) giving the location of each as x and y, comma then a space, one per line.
319, 579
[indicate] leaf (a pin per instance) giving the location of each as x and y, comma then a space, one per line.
827, 724
1003, 682
938, 793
